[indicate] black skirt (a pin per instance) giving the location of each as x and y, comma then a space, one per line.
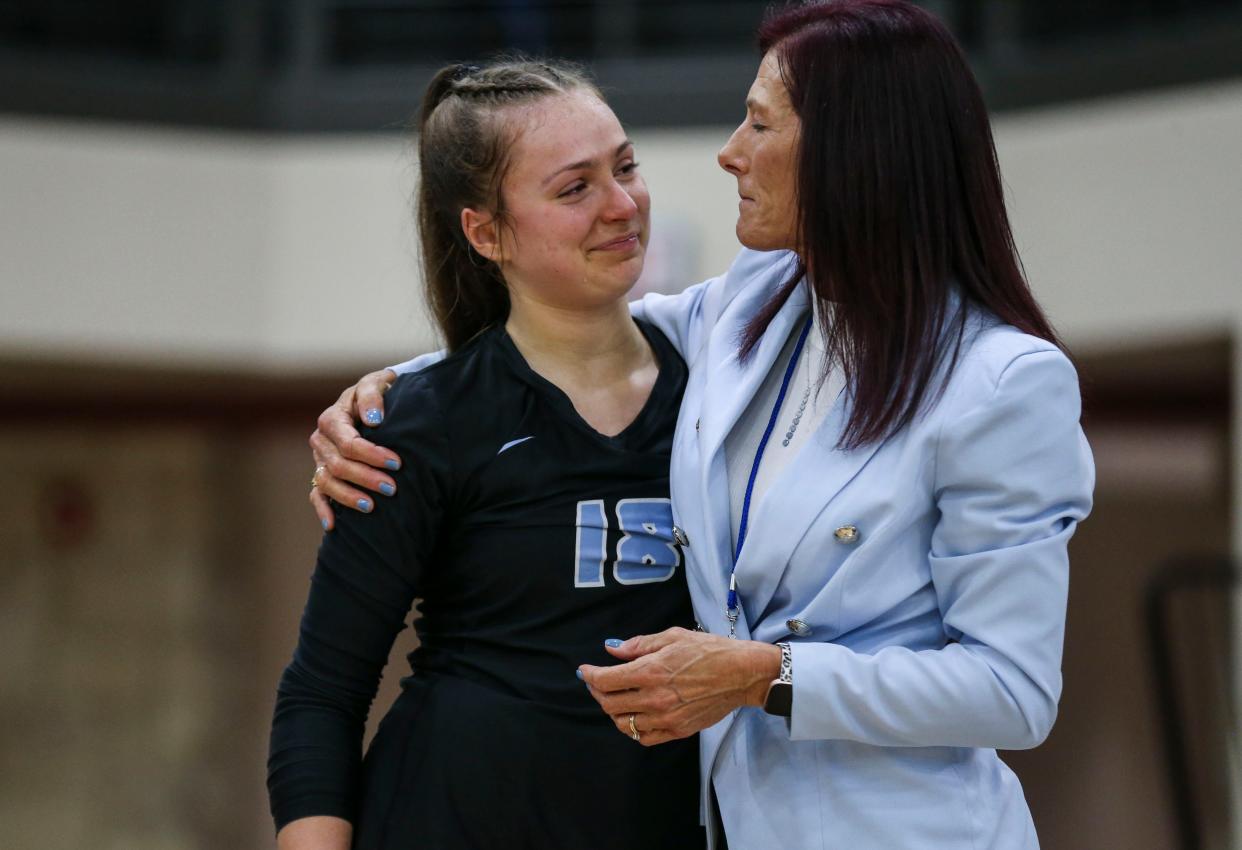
457, 764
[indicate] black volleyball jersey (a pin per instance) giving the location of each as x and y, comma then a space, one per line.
530, 538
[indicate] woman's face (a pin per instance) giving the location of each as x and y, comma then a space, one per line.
577, 208
762, 155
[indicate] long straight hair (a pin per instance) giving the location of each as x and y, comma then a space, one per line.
899, 203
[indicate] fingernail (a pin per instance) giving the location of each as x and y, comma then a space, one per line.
364, 505
387, 489
394, 465
324, 523
613, 642
578, 673
374, 417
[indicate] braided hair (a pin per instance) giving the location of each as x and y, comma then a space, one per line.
463, 146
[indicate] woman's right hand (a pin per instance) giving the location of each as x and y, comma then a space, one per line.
344, 457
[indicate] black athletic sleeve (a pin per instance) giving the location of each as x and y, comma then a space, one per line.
368, 572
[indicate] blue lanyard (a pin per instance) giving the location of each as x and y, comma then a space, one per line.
732, 607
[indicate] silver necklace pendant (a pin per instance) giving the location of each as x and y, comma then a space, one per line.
806, 396
793, 426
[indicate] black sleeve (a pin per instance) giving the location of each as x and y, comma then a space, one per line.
368, 572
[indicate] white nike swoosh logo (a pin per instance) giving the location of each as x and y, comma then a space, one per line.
513, 443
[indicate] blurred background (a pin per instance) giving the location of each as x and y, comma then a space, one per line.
205, 234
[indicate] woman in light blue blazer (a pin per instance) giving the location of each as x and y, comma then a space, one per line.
877, 469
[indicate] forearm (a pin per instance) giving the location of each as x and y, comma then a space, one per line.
354, 610
315, 753
316, 833
760, 665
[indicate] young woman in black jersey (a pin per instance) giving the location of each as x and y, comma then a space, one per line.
531, 511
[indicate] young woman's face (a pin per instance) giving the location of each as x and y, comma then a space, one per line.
577, 209
762, 154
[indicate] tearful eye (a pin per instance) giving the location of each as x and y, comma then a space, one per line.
572, 190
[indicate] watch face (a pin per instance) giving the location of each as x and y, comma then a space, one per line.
780, 699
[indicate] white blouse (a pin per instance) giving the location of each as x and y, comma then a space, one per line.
806, 393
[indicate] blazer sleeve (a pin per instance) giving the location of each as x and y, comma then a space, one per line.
419, 363
1013, 478
367, 574
679, 317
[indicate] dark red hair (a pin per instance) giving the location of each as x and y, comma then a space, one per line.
900, 202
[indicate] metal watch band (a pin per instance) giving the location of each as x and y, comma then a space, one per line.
779, 700
786, 675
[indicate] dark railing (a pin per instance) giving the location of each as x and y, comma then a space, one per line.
1216, 577
358, 64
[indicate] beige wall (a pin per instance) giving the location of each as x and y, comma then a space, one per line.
142, 243
146, 246
1127, 213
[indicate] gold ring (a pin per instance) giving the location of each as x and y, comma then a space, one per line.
634, 729
315, 478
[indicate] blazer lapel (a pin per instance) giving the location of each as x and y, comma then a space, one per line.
729, 388
808, 485
805, 489
731, 384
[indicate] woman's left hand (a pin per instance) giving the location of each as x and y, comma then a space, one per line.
679, 682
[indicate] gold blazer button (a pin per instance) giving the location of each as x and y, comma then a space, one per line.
846, 534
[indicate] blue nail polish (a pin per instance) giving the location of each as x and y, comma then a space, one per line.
613, 642
364, 505
387, 489
324, 523
578, 673
394, 465
374, 417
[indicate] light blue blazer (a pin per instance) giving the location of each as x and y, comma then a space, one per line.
935, 637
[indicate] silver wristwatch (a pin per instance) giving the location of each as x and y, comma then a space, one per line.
779, 700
